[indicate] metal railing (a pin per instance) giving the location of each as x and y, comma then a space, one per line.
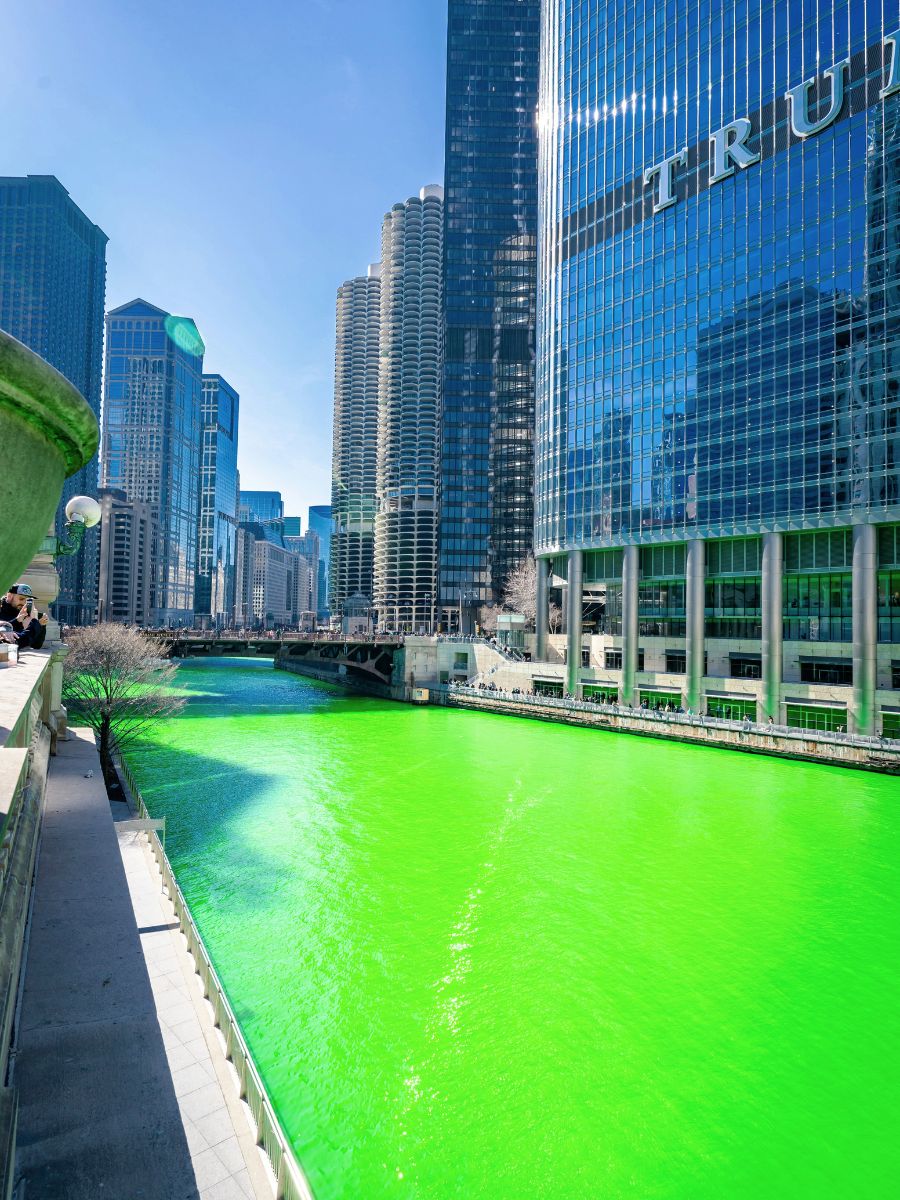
654, 717
290, 1181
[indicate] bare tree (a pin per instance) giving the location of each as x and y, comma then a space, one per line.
555, 616
520, 590
116, 682
487, 618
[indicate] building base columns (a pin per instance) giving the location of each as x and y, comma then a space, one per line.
630, 579
542, 609
574, 600
772, 625
865, 628
695, 616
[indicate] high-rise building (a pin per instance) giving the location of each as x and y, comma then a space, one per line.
490, 223
261, 506
718, 398
266, 509
353, 466
152, 432
271, 581
217, 534
128, 532
52, 297
320, 523
409, 389
307, 546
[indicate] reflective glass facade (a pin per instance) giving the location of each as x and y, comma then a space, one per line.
719, 345
267, 510
52, 298
152, 433
216, 539
490, 215
320, 523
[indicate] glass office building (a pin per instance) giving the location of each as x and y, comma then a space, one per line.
152, 432
718, 392
267, 510
217, 534
52, 298
490, 223
320, 523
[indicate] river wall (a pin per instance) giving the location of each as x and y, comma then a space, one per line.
782, 744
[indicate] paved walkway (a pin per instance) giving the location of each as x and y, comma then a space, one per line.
123, 1090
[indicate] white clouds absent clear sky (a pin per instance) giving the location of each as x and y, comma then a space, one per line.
240, 158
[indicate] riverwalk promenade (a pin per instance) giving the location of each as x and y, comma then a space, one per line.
839, 749
124, 1090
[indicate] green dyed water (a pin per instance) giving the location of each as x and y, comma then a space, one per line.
483, 957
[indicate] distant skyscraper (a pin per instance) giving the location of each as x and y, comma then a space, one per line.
152, 430
355, 435
128, 532
409, 389
307, 546
320, 523
267, 510
52, 297
272, 582
490, 221
214, 586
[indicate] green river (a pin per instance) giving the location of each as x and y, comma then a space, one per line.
482, 957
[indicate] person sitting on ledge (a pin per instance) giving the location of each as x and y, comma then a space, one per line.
17, 607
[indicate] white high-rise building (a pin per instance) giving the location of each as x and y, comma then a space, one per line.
409, 386
355, 431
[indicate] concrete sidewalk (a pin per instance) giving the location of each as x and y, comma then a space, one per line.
99, 1097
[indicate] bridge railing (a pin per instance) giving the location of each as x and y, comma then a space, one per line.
290, 1181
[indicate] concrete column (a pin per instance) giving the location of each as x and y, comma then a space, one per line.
542, 614
772, 625
695, 609
573, 622
865, 628
631, 569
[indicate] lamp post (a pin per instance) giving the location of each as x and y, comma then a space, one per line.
82, 513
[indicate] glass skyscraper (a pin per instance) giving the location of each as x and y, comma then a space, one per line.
490, 223
320, 523
718, 393
267, 510
52, 298
216, 538
152, 434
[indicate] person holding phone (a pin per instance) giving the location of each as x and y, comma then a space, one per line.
29, 627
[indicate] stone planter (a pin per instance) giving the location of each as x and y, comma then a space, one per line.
47, 431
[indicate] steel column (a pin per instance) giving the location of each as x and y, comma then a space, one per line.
573, 622
772, 625
542, 612
865, 628
695, 610
631, 566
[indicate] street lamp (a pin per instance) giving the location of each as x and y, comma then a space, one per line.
82, 513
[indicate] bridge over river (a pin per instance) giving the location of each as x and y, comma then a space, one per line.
368, 662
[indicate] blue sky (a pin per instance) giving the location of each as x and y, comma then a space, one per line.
240, 158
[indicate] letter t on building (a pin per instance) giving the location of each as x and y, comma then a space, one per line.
664, 174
